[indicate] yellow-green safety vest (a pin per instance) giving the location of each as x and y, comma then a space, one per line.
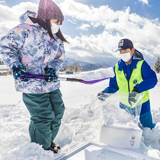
128, 85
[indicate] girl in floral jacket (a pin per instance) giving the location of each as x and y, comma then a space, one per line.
36, 47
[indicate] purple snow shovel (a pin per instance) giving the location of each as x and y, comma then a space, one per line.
44, 77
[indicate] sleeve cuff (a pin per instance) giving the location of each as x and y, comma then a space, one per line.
135, 89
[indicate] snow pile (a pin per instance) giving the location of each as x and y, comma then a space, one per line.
81, 121
96, 74
113, 115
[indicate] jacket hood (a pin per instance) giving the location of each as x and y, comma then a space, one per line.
24, 18
137, 55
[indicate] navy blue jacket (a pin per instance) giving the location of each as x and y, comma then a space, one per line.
148, 75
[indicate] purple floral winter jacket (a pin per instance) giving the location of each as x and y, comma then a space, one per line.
30, 45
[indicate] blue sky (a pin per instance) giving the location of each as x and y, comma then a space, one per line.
94, 27
152, 11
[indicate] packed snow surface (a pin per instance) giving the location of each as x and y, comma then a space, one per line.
82, 119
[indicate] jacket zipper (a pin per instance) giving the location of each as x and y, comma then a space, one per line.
128, 80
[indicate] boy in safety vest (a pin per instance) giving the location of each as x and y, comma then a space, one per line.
133, 75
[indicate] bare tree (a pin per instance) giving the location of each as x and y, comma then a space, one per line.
91, 67
1, 62
69, 68
80, 68
157, 65
101, 66
76, 67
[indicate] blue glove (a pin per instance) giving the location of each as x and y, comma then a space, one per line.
17, 72
51, 75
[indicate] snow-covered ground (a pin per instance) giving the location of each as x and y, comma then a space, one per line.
80, 122
3, 67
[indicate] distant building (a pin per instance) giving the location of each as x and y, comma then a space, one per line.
4, 70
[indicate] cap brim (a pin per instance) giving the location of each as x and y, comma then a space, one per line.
121, 48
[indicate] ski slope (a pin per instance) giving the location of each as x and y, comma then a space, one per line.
80, 123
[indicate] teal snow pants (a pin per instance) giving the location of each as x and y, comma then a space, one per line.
46, 112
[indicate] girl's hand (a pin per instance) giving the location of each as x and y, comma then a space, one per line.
58, 56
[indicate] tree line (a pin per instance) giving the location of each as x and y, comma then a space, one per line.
1, 62
157, 65
76, 67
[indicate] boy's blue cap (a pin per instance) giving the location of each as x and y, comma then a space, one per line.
124, 44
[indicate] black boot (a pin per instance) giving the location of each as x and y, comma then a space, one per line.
54, 147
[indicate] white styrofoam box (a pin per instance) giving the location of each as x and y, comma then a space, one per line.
121, 136
99, 151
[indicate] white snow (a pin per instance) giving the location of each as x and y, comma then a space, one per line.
3, 67
80, 123
96, 74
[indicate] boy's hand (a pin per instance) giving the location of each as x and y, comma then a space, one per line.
132, 95
102, 96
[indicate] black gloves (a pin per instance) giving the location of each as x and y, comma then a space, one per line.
132, 95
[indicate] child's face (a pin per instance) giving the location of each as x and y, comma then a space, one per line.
125, 51
128, 50
55, 21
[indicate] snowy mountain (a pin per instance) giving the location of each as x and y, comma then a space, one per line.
85, 65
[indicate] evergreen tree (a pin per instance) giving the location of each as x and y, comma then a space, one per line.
157, 65
91, 67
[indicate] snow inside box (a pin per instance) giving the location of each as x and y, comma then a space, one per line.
99, 151
119, 126
121, 136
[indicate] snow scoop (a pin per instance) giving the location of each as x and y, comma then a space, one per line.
45, 77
